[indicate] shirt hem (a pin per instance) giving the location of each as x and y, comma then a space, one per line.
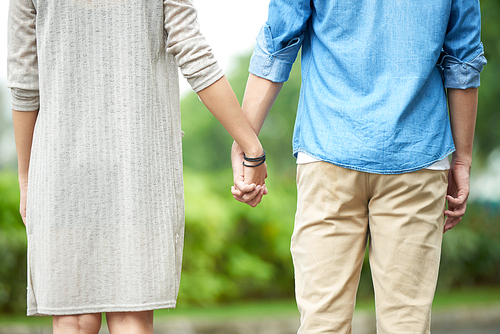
375, 171
48, 311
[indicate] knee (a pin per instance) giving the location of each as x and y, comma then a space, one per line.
77, 324
130, 322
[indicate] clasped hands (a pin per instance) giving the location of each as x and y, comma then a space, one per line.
249, 182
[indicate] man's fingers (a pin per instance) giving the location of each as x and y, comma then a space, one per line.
238, 198
253, 198
256, 200
245, 197
253, 202
456, 206
456, 201
264, 190
236, 192
243, 187
455, 213
451, 223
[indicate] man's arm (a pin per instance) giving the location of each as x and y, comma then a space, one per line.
278, 44
260, 95
463, 108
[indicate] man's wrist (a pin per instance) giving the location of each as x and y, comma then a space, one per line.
255, 152
461, 159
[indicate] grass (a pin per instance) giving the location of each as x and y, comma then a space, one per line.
243, 310
468, 298
19, 319
481, 297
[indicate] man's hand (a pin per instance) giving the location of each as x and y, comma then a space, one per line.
458, 192
252, 193
260, 95
462, 105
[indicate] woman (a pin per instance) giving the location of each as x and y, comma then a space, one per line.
97, 123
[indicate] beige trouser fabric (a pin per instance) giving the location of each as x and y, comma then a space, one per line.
338, 210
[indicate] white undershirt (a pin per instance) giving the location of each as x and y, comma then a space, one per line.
443, 164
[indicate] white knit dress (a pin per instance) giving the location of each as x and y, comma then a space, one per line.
105, 210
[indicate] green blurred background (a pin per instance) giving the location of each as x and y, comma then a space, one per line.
234, 253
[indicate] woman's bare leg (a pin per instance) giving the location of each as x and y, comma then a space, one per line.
130, 322
76, 324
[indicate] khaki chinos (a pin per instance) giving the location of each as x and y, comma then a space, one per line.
338, 210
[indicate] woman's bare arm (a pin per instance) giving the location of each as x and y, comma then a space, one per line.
219, 98
24, 125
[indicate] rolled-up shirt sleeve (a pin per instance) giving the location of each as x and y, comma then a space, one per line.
191, 51
22, 61
280, 39
463, 58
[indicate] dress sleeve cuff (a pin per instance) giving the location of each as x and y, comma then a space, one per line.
205, 77
273, 66
462, 74
25, 100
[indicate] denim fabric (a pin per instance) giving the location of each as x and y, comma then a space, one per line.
373, 76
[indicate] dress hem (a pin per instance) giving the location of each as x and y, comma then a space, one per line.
47, 311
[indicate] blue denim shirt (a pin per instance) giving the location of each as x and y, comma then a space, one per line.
373, 76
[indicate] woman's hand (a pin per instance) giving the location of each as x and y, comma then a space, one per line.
23, 189
24, 125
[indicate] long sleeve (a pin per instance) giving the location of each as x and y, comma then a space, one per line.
185, 42
463, 58
280, 39
22, 63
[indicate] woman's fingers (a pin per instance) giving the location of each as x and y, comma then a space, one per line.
22, 203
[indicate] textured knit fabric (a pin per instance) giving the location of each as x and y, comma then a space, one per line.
105, 207
372, 95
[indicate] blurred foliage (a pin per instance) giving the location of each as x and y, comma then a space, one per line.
233, 252
207, 145
471, 251
12, 247
487, 136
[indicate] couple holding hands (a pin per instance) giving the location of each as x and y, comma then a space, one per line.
389, 90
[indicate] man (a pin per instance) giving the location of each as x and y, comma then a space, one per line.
372, 139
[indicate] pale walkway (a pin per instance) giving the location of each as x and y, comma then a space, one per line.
456, 321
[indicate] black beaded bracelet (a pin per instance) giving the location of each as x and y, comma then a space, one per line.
257, 165
261, 158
